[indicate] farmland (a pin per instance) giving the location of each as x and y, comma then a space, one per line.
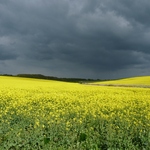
134, 81
52, 115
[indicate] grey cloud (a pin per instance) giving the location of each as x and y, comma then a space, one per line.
76, 38
136, 10
5, 55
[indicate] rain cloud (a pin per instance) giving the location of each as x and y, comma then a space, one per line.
73, 38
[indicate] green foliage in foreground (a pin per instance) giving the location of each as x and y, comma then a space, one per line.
51, 115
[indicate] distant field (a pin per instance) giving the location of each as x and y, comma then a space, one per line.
52, 115
143, 80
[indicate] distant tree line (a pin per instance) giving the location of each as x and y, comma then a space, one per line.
40, 76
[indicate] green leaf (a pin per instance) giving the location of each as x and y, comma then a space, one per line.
12, 148
82, 137
46, 140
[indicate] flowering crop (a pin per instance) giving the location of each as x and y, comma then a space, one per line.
42, 114
143, 80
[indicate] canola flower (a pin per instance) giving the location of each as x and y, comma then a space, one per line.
43, 114
134, 81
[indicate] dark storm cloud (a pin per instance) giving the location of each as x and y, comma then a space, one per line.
4, 55
88, 38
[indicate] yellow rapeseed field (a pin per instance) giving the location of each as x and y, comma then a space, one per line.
52, 115
142, 80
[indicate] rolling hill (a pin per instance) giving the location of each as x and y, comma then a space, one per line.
143, 81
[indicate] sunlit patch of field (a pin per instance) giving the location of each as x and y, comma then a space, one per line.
43, 114
141, 81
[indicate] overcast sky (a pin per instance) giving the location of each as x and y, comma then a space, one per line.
75, 38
